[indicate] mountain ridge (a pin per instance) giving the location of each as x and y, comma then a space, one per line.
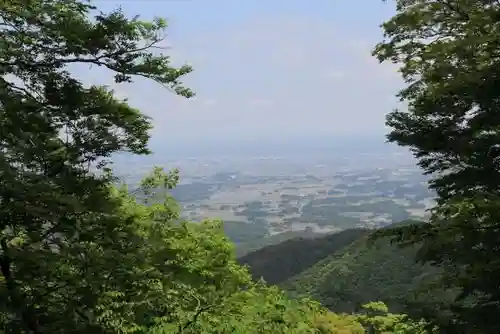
347, 269
301, 253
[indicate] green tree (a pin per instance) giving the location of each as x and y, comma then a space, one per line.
56, 214
174, 276
377, 319
450, 60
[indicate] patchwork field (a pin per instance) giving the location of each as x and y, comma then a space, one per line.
257, 200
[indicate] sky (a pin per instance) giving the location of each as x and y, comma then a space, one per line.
267, 71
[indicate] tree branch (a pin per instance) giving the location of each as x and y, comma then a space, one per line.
199, 311
95, 60
195, 317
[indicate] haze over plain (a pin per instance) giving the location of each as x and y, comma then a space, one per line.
267, 76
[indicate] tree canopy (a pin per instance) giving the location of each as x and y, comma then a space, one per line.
58, 221
449, 57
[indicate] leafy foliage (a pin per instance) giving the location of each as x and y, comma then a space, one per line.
378, 319
449, 57
60, 230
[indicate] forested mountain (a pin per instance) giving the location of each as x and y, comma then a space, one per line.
348, 269
365, 271
277, 263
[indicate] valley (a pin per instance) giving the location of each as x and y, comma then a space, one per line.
270, 198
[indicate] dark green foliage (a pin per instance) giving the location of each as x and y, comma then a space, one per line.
453, 78
450, 59
277, 263
56, 214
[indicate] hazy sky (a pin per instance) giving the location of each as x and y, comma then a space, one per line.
268, 69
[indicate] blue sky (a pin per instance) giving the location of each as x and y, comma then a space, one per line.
268, 69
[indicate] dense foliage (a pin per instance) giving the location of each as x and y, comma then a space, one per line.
60, 228
449, 57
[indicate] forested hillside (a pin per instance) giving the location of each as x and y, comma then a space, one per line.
346, 270
247, 247
365, 271
280, 262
